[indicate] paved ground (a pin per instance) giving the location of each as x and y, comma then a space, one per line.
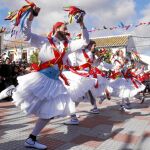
110, 130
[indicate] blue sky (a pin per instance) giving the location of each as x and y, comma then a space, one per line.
140, 4
3, 13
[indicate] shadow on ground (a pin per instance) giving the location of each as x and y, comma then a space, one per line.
91, 128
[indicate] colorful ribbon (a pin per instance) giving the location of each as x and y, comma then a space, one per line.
18, 17
73, 11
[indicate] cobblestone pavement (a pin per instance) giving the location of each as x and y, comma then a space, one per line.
109, 130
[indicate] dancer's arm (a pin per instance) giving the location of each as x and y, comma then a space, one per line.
34, 39
80, 43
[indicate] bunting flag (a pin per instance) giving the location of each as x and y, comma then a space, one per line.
120, 26
18, 17
104, 27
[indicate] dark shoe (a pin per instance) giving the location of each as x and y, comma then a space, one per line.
95, 111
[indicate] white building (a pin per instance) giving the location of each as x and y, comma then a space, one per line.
18, 50
123, 42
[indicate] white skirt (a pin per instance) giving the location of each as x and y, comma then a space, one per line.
124, 88
140, 87
79, 85
103, 84
42, 96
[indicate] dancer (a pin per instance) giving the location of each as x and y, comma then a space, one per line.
118, 82
135, 73
103, 65
42, 93
124, 82
80, 62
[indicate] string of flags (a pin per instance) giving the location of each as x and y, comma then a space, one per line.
94, 29
18, 18
120, 26
9, 31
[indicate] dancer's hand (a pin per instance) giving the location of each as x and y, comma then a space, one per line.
34, 13
67, 82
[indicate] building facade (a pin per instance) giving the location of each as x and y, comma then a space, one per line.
122, 42
18, 50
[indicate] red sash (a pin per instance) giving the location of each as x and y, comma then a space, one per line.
132, 76
88, 60
84, 66
57, 60
81, 67
75, 69
115, 75
92, 71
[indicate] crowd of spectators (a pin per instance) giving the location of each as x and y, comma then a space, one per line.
9, 70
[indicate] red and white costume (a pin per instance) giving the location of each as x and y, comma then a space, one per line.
125, 84
79, 63
42, 92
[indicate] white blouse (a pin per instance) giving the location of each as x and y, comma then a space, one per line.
46, 52
77, 58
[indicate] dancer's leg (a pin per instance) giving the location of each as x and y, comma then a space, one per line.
95, 110
40, 124
107, 94
31, 141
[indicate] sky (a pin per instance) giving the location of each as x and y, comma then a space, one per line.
98, 13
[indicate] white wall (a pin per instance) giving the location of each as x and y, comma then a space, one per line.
19, 51
131, 44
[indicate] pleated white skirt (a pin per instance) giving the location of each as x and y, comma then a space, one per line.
79, 85
42, 96
124, 88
